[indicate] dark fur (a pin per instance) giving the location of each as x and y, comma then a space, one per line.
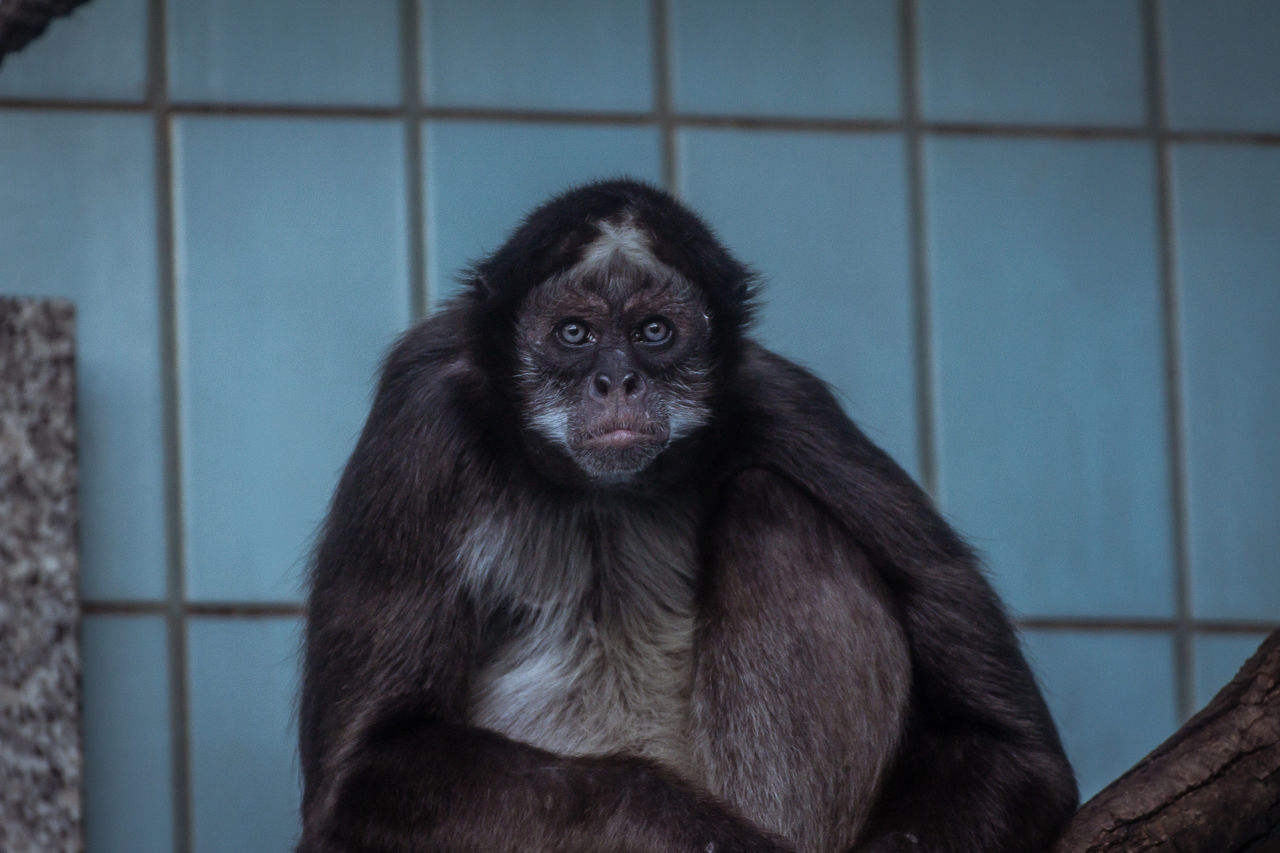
826, 586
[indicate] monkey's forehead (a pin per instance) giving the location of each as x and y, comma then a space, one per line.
619, 237
622, 249
617, 269
616, 287
612, 223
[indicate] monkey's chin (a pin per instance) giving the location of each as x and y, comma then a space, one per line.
614, 458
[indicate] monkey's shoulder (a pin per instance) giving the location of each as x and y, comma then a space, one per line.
433, 383
434, 355
789, 422
789, 416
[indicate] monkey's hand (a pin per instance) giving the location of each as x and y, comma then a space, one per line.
890, 842
734, 835
428, 786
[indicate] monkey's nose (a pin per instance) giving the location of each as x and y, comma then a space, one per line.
602, 384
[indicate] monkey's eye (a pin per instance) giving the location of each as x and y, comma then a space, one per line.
653, 331
573, 332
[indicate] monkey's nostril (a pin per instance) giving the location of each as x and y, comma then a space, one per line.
630, 384
601, 384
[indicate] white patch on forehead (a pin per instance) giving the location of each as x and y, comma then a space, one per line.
615, 238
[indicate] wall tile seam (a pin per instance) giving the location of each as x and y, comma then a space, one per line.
415, 171
1082, 622
1172, 377
157, 107
677, 120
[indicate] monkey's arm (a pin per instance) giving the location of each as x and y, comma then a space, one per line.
391, 765
417, 785
388, 760
801, 672
980, 765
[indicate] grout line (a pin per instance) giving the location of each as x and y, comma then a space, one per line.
195, 608
131, 607
1015, 130
411, 84
179, 717
662, 95
442, 112
808, 125
922, 327
675, 119
244, 608
1184, 646
1102, 623
203, 108
262, 609
74, 105
1218, 626
1122, 624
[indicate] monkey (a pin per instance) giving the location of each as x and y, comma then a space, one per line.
604, 574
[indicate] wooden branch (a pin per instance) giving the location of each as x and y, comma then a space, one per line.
1213, 786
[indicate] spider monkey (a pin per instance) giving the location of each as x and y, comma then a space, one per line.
603, 574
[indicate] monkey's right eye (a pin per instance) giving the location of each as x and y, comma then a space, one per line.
573, 332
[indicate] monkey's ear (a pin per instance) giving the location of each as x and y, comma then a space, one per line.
479, 284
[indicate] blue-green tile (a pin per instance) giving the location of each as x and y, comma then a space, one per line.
563, 54
1218, 659
1049, 350
1111, 694
285, 51
292, 280
1227, 217
1013, 61
770, 57
823, 218
483, 177
128, 775
245, 788
99, 51
1222, 65
77, 220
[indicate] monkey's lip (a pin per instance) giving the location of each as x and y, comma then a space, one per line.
620, 438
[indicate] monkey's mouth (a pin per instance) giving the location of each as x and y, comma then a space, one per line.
620, 438
617, 447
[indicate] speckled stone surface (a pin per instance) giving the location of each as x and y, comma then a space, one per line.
39, 610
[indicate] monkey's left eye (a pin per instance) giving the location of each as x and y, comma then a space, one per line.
654, 331
573, 332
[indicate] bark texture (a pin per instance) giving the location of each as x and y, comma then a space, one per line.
1213, 786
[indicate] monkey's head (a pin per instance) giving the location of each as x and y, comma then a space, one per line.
625, 313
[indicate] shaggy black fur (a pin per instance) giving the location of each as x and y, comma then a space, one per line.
827, 585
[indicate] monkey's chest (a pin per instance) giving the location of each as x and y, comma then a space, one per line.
595, 684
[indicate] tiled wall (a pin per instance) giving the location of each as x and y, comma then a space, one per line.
1035, 246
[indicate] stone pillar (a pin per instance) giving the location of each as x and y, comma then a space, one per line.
39, 604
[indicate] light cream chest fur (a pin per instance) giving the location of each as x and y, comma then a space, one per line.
601, 660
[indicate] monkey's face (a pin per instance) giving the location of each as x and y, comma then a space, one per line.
614, 360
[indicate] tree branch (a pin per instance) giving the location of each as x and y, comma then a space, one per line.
1213, 786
